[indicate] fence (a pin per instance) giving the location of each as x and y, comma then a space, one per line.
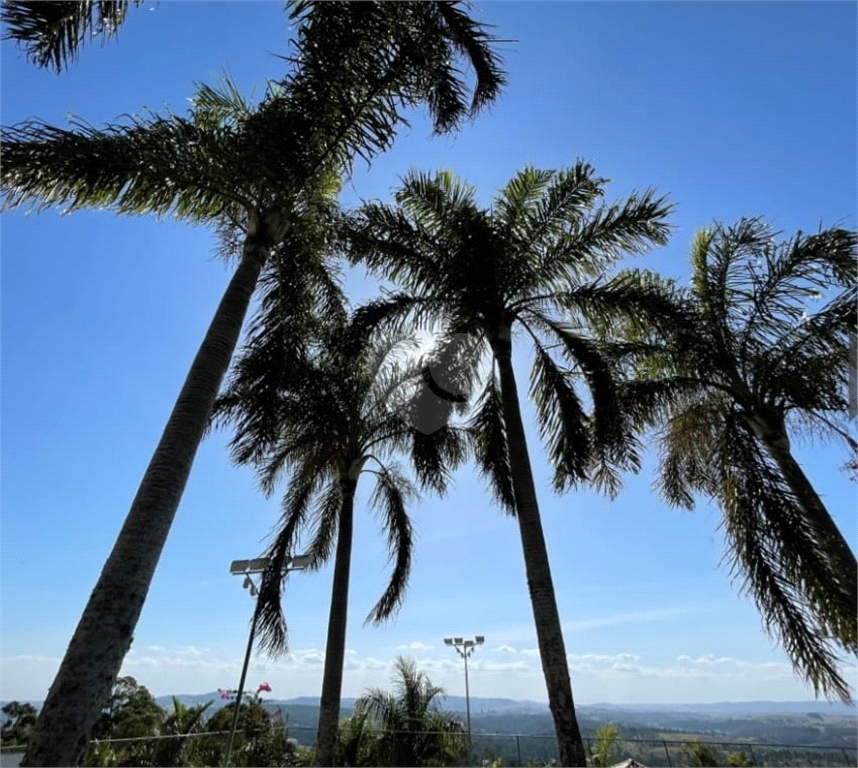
494, 748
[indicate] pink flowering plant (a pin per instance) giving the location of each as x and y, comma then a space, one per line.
230, 693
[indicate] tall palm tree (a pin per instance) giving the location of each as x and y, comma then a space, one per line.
327, 413
256, 170
752, 366
406, 727
533, 261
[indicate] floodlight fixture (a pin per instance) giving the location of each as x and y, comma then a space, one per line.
479, 639
457, 640
448, 641
256, 565
300, 562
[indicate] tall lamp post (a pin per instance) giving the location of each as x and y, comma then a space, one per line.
465, 648
246, 568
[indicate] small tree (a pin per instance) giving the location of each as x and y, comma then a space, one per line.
701, 754
22, 717
606, 739
739, 760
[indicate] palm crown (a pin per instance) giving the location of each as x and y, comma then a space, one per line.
535, 260
726, 388
331, 415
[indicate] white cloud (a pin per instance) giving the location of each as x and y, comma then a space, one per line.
415, 646
506, 649
156, 648
603, 658
530, 651
625, 667
709, 659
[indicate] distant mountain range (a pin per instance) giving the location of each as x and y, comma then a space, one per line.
518, 706
480, 705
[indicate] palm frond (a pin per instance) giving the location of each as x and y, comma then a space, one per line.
784, 568
150, 164
488, 434
630, 227
270, 621
52, 32
369, 60
391, 495
562, 421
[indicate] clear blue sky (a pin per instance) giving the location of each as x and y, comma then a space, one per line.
730, 109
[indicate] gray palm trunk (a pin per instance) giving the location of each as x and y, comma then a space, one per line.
552, 650
771, 432
106, 629
335, 650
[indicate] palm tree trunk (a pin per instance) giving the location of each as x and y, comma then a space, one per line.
549, 634
335, 650
776, 443
106, 628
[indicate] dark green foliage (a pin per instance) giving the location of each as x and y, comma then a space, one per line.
53, 31
132, 712
22, 717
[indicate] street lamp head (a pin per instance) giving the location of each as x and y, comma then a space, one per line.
479, 639
448, 641
300, 562
458, 640
257, 565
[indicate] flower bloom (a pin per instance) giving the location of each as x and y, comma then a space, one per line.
263, 687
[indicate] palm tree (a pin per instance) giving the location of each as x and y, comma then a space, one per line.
406, 727
534, 260
326, 413
751, 367
257, 171
182, 721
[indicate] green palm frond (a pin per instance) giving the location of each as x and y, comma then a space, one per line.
220, 104
270, 621
562, 421
488, 434
150, 164
53, 31
571, 193
784, 568
517, 201
436, 454
628, 227
391, 496
379, 57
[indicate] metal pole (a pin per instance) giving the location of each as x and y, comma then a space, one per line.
518, 749
468, 704
241, 688
667, 752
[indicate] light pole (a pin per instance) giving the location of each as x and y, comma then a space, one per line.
465, 648
246, 568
